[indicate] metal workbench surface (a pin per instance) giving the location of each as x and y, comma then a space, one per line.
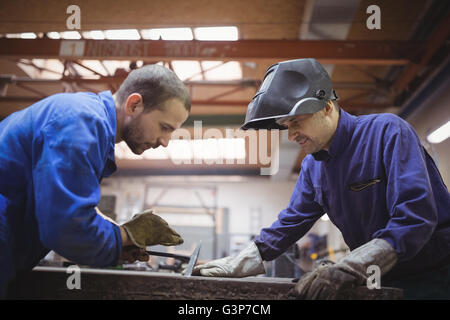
51, 283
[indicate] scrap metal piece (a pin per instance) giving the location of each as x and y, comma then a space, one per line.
193, 260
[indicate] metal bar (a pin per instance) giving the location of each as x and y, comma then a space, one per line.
87, 68
168, 255
202, 72
31, 64
104, 68
328, 52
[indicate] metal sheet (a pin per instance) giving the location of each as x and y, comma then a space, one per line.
193, 260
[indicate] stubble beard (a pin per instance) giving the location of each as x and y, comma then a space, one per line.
130, 134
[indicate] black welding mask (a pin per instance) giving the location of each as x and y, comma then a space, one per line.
289, 88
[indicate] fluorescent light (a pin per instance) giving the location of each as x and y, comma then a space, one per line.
122, 34
216, 33
97, 35
53, 35
440, 134
28, 35
168, 34
13, 35
94, 34
71, 35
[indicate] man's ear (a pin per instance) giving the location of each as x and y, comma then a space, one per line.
133, 104
329, 107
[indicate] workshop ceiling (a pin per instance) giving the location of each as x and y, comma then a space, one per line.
372, 70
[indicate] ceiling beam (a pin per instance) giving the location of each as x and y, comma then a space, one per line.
327, 52
11, 79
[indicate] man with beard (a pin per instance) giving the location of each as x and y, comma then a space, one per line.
370, 174
53, 156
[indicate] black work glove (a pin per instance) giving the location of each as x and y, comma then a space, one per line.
327, 281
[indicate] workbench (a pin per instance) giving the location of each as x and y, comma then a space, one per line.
51, 283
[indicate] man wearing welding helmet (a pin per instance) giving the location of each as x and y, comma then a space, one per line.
369, 174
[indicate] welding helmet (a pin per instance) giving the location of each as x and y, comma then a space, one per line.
289, 88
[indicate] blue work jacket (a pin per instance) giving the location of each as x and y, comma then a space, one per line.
375, 181
53, 156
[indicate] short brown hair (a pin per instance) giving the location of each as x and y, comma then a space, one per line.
156, 84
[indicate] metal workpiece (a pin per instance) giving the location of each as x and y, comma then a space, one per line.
193, 260
52, 283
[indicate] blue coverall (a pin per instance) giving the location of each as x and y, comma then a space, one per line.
53, 156
375, 181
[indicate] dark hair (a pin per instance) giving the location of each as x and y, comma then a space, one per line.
156, 84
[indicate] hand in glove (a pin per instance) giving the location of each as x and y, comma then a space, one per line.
247, 263
327, 281
132, 253
147, 229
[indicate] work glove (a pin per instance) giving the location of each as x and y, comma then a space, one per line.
147, 229
132, 253
247, 263
328, 280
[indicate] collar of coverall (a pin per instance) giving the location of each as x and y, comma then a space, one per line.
341, 138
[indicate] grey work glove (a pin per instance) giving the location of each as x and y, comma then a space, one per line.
148, 229
247, 263
329, 280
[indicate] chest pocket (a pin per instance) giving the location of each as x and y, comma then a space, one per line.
361, 185
319, 198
